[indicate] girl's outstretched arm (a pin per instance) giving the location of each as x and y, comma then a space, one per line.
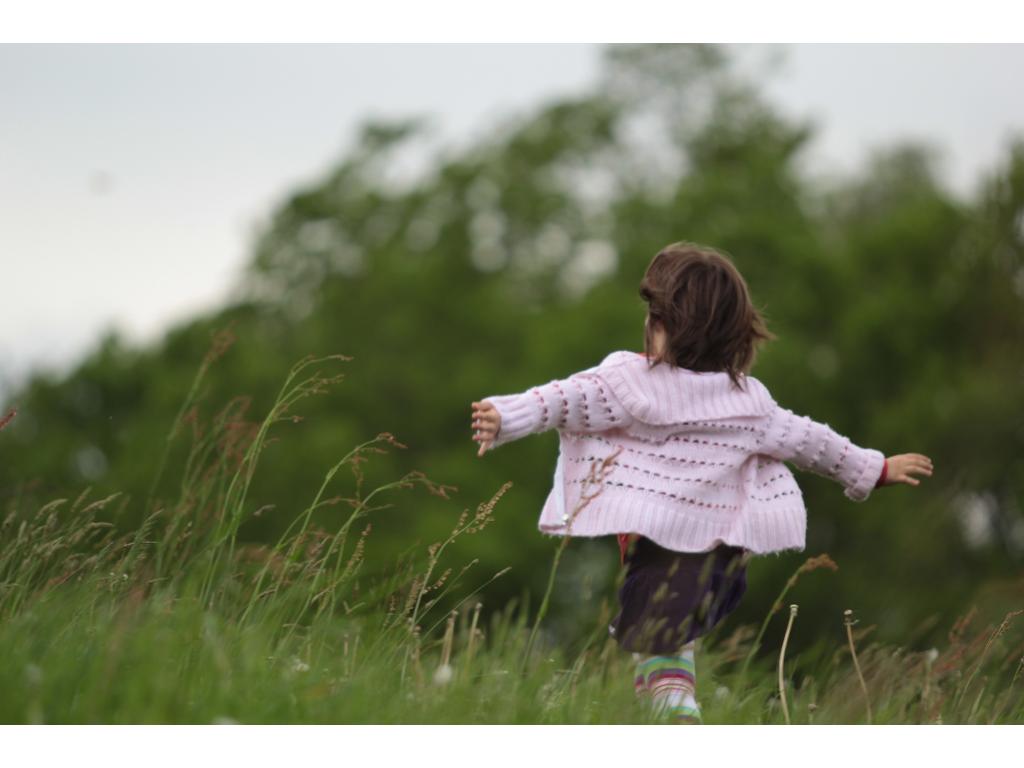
582, 403
817, 448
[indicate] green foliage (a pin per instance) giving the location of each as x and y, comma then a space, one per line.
171, 623
899, 311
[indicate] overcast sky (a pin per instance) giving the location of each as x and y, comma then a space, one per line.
132, 177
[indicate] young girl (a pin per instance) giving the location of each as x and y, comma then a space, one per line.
680, 453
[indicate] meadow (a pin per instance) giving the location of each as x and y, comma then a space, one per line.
180, 620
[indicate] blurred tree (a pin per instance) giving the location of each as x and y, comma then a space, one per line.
900, 312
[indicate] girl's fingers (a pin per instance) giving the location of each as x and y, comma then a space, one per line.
485, 416
909, 464
917, 457
484, 424
906, 477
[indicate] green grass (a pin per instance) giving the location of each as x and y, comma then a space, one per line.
180, 622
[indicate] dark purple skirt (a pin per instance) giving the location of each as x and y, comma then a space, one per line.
670, 598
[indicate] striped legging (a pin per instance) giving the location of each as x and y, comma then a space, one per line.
671, 683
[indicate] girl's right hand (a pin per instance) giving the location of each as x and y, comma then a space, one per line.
902, 467
486, 425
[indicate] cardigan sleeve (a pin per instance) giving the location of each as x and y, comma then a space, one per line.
817, 448
582, 403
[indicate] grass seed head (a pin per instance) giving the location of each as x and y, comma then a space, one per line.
8, 418
820, 561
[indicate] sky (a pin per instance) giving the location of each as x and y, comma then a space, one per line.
133, 178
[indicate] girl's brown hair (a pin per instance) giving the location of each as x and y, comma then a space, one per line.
699, 297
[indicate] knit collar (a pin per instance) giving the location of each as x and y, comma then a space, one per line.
667, 394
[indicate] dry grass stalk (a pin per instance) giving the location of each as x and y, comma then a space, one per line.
410, 600
357, 554
443, 674
929, 660
417, 668
810, 564
484, 515
1000, 630
471, 641
958, 648
782, 658
8, 418
449, 639
849, 621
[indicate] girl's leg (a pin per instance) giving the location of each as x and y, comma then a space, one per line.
671, 683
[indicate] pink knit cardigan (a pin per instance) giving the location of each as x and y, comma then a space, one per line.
681, 457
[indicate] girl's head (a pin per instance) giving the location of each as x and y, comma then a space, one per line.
700, 303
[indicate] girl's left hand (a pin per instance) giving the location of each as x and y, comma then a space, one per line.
486, 423
902, 468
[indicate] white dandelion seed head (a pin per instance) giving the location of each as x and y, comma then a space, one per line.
443, 675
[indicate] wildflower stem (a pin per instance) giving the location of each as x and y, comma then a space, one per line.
449, 638
849, 621
782, 658
471, 642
